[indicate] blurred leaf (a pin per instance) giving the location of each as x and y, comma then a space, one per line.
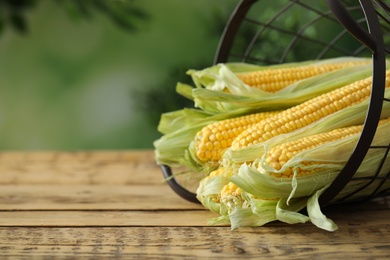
19, 4
125, 14
82, 6
18, 22
122, 13
1, 24
12, 12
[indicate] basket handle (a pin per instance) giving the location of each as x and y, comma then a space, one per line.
176, 187
351, 25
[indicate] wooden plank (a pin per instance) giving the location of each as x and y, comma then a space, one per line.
271, 242
79, 197
115, 197
113, 204
79, 168
193, 217
144, 156
104, 218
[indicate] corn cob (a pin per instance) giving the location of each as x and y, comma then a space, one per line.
307, 112
213, 139
273, 80
227, 188
210, 187
281, 154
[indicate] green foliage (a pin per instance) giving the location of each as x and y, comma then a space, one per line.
124, 14
78, 81
12, 13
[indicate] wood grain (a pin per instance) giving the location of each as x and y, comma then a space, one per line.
115, 204
177, 217
271, 242
80, 168
101, 197
105, 218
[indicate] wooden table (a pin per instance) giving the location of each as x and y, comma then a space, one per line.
115, 204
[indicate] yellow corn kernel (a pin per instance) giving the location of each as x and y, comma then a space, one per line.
213, 174
273, 80
231, 189
306, 113
216, 172
281, 154
230, 196
213, 139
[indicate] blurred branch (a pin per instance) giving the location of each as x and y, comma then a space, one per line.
123, 13
12, 13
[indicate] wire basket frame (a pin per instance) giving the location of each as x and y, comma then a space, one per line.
270, 32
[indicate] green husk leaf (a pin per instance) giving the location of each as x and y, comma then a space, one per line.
219, 101
315, 214
210, 83
185, 90
221, 220
243, 217
179, 128
223, 75
289, 213
250, 210
253, 181
263, 211
174, 120
210, 188
170, 148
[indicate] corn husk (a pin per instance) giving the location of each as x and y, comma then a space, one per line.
218, 89
267, 198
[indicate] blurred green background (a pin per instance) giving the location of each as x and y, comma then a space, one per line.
86, 75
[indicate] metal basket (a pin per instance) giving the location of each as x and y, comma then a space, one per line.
330, 28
